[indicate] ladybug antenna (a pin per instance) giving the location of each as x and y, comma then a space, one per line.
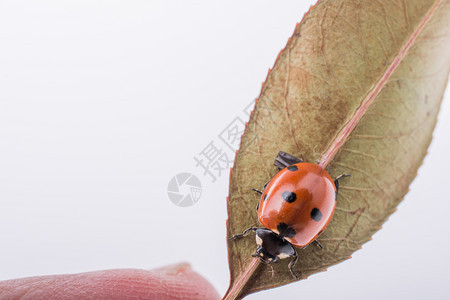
272, 270
291, 265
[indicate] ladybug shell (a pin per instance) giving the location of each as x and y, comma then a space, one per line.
298, 203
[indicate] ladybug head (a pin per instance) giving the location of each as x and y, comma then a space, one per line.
272, 247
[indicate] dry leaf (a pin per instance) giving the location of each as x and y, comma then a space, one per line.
364, 78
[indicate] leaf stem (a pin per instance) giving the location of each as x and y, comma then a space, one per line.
236, 289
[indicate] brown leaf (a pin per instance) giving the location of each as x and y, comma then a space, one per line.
358, 89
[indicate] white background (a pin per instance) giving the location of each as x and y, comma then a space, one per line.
102, 102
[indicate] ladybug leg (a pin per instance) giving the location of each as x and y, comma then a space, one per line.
264, 187
318, 244
292, 263
246, 232
336, 181
284, 160
258, 191
258, 253
262, 257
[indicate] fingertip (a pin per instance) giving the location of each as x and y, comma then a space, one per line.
168, 283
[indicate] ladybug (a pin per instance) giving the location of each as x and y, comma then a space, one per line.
296, 206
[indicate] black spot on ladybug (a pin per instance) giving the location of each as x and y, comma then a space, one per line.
316, 214
265, 197
285, 230
292, 168
289, 196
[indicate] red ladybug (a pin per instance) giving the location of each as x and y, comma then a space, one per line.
296, 206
